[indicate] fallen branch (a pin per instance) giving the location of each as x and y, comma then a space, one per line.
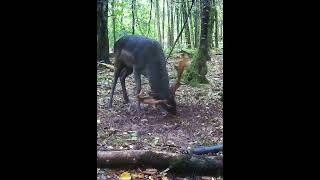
107, 65
177, 163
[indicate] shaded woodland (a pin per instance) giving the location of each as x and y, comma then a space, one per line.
161, 20
149, 144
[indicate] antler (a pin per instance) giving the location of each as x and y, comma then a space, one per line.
180, 68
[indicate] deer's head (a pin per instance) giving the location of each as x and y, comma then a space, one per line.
168, 104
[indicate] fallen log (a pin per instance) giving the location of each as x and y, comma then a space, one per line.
182, 164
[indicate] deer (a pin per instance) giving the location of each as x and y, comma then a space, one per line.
142, 56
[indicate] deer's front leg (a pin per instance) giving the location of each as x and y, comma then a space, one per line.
137, 79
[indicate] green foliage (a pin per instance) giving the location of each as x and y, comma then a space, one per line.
123, 21
189, 51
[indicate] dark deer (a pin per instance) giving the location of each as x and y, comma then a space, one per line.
141, 55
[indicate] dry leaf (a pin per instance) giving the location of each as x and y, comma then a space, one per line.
139, 176
125, 176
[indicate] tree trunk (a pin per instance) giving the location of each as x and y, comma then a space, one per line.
196, 24
186, 32
150, 15
181, 22
113, 22
177, 20
105, 13
168, 26
221, 31
98, 29
121, 19
216, 21
163, 21
204, 30
172, 24
177, 163
133, 6
155, 20
211, 25
196, 73
190, 24
103, 41
158, 21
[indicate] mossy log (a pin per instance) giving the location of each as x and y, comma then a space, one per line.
177, 163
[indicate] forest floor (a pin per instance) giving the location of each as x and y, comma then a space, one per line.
199, 120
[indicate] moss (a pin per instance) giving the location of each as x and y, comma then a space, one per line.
196, 72
189, 51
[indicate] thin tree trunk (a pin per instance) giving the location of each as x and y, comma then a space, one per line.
190, 24
155, 21
113, 22
187, 32
215, 11
133, 19
221, 31
158, 21
107, 32
168, 26
149, 18
178, 20
181, 18
211, 24
98, 29
196, 25
172, 24
163, 21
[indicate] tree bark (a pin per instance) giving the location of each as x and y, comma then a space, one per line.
204, 30
211, 24
177, 163
221, 31
113, 22
172, 24
196, 73
177, 20
187, 32
190, 24
168, 26
133, 19
216, 21
149, 17
163, 21
158, 21
196, 24
103, 41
